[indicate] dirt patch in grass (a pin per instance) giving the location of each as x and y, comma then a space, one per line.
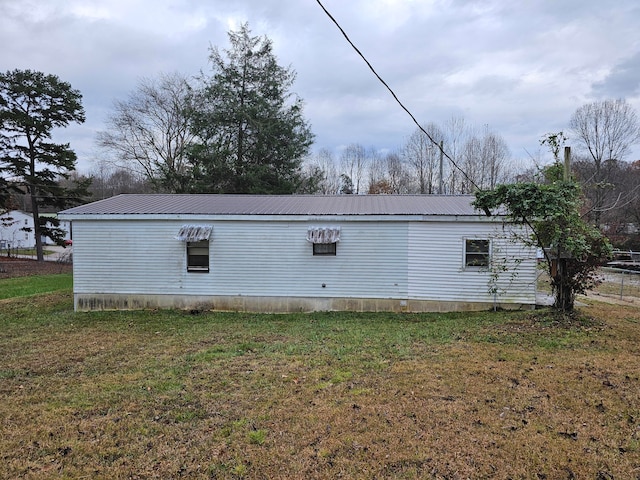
18, 267
320, 396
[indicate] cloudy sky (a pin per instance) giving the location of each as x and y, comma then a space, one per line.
519, 67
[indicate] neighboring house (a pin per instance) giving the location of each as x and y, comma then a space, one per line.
16, 230
296, 253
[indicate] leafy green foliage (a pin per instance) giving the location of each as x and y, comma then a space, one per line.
573, 249
32, 104
251, 130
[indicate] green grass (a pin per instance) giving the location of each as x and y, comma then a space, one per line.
32, 285
30, 252
169, 394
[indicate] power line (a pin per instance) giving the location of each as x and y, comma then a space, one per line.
396, 97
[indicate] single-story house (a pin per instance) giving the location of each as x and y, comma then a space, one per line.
271, 253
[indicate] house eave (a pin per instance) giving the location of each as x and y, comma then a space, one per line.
187, 217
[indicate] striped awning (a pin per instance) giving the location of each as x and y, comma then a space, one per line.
194, 233
323, 234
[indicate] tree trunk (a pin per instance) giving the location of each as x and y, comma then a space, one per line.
36, 223
564, 297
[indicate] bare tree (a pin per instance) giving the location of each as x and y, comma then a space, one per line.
108, 181
471, 163
455, 132
148, 132
605, 130
378, 182
388, 174
485, 161
397, 174
423, 156
354, 165
324, 162
495, 157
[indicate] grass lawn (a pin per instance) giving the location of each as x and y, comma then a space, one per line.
167, 394
25, 286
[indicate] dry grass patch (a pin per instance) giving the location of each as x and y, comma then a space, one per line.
171, 395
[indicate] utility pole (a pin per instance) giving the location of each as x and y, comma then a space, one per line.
441, 184
567, 163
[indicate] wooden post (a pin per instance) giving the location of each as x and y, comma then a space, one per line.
562, 301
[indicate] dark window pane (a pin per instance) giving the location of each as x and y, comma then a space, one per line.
198, 256
324, 248
476, 253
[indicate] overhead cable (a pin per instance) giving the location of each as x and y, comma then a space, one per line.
396, 97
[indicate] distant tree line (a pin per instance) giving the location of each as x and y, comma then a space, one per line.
418, 166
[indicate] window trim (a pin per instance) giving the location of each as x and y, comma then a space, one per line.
465, 262
194, 267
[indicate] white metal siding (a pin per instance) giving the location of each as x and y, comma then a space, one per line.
436, 264
246, 258
389, 260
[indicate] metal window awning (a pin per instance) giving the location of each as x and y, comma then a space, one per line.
194, 233
323, 234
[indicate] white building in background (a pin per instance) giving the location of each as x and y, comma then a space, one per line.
293, 253
16, 230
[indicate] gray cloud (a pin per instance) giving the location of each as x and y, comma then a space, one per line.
622, 81
520, 67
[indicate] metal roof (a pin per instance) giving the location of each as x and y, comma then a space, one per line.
202, 204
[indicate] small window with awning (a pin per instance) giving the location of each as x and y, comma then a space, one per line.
324, 239
197, 239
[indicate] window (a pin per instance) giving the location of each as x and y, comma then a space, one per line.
324, 239
197, 239
198, 256
476, 252
324, 248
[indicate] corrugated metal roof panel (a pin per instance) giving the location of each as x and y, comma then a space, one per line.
149, 204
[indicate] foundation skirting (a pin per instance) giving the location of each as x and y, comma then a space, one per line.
92, 302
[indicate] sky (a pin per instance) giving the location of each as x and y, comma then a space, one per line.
519, 68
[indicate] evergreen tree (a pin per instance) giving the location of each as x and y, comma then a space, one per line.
32, 104
252, 136
5, 194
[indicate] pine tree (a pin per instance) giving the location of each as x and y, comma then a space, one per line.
252, 136
32, 104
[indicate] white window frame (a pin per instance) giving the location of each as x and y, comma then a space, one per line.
465, 260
